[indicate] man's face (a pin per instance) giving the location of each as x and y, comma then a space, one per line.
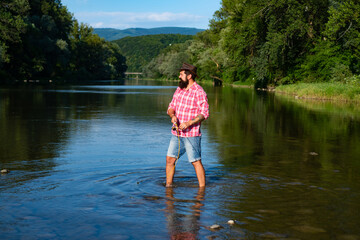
182, 76
184, 81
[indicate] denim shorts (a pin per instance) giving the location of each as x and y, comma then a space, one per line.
190, 145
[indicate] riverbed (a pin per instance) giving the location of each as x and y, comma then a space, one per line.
88, 162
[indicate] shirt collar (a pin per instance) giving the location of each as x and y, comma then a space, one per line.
192, 86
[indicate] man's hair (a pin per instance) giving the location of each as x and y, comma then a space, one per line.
193, 76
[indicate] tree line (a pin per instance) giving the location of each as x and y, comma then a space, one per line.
273, 42
258, 42
40, 39
140, 50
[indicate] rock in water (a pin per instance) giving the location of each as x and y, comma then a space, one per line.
313, 153
308, 229
215, 227
231, 222
4, 171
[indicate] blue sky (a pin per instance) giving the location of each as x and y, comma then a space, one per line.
122, 14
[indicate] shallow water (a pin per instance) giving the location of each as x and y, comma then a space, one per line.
87, 162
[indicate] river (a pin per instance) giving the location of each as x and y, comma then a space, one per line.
88, 162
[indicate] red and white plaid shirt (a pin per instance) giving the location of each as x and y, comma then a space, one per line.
187, 105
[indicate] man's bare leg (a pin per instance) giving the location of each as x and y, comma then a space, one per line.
170, 170
200, 172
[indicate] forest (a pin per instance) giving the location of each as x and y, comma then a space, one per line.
140, 50
274, 42
40, 39
261, 43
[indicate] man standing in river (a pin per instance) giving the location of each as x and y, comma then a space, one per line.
188, 108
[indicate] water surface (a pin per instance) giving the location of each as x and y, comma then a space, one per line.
88, 162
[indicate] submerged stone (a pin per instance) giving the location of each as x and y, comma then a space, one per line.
313, 153
215, 227
271, 235
231, 222
309, 229
268, 211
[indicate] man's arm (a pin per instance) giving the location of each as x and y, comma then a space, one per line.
198, 119
171, 113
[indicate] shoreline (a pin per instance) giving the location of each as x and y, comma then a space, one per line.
331, 92
312, 91
321, 91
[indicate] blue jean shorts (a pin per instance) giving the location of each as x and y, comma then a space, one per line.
190, 145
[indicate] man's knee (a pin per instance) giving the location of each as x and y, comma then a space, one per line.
170, 160
197, 163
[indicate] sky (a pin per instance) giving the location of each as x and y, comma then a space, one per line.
122, 14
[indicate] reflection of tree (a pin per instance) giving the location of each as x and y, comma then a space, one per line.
30, 129
183, 225
263, 129
267, 140
36, 123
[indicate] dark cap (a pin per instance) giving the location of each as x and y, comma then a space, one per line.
189, 67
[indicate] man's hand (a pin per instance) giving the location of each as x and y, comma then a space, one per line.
185, 125
174, 119
171, 113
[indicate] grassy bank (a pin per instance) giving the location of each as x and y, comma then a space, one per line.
325, 91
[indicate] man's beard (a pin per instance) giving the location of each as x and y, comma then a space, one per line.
183, 84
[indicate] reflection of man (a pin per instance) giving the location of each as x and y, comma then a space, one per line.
188, 108
180, 225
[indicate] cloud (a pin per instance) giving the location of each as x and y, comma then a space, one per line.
149, 19
98, 25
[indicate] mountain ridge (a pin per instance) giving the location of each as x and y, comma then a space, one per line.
111, 34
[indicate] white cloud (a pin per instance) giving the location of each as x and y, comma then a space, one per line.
149, 19
97, 25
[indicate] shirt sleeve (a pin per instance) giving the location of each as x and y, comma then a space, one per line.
173, 101
203, 104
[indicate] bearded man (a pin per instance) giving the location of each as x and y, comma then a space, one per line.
187, 109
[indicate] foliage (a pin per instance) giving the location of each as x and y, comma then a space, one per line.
268, 39
325, 90
280, 42
168, 62
93, 57
139, 51
37, 41
353, 80
12, 25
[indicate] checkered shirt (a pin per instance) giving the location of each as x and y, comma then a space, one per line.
187, 105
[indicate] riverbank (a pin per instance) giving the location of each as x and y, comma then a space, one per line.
333, 91
322, 91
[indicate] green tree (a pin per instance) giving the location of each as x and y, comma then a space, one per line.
93, 57
46, 40
12, 26
272, 37
337, 53
166, 65
40, 39
139, 51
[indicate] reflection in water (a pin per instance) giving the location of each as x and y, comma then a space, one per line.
183, 223
282, 169
297, 164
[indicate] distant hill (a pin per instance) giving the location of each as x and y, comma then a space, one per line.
111, 34
139, 51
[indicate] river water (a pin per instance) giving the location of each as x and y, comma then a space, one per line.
88, 162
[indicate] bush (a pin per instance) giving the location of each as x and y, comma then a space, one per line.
353, 80
340, 72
